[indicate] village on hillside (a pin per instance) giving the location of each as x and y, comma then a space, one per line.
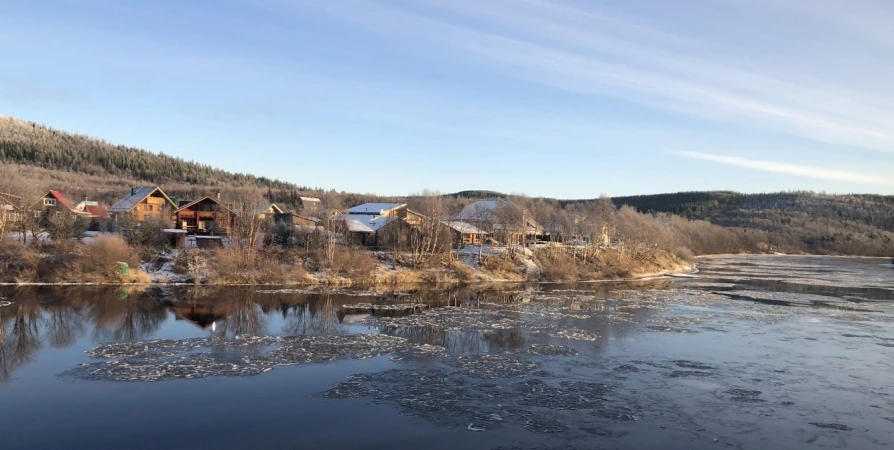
208, 222
147, 235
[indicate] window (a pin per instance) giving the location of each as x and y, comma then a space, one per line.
147, 207
49, 202
37, 214
58, 214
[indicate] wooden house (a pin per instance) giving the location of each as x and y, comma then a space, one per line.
369, 223
144, 202
309, 204
504, 220
93, 209
268, 211
54, 204
467, 233
204, 216
9, 210
297, 220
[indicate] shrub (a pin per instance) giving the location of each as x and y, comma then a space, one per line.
355, 263
233, 266
501, 267
102, 258
558, 265
464, 273
18, 263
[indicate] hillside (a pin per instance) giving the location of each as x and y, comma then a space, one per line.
32, 144
819, 223
86, 167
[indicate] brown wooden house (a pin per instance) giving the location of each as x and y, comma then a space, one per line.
467, 233
297, 220
204, 216
143, 202
266, 211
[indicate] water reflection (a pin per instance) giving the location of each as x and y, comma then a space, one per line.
60, 317
317, 315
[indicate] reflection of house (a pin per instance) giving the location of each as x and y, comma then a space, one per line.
502, 218
468, 233
365, 224
309, 204
204, 216
263, 212
201, 315
144, 202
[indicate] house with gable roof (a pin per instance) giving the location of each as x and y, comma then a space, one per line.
143, 202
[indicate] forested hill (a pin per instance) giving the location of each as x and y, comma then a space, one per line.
33, 144
849, 224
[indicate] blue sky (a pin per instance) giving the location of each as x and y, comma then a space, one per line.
560, 98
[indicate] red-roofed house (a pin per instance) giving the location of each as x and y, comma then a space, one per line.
54, 204
93, 209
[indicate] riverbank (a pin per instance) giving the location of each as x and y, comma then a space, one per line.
111, 263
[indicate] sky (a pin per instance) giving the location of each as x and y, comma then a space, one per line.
557, 98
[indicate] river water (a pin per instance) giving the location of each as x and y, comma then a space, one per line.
751, 353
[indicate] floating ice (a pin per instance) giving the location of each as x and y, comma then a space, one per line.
243, 356
551, 350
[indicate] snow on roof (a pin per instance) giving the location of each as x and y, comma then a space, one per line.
374, 208
463, 227
136, 195
365, 223
309, 199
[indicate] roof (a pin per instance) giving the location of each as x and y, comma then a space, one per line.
375, 208
463, 227
97, 211
489, 211
61, 200
482, 210
199, 201
137, 195
263, 209
309, 199
365, 223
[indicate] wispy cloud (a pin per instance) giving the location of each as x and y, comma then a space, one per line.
601, 51
790, 169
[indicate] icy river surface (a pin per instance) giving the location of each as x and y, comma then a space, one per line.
757, 352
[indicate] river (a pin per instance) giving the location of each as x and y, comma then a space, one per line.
757, 352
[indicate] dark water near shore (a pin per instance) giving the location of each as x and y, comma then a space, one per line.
752, 353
